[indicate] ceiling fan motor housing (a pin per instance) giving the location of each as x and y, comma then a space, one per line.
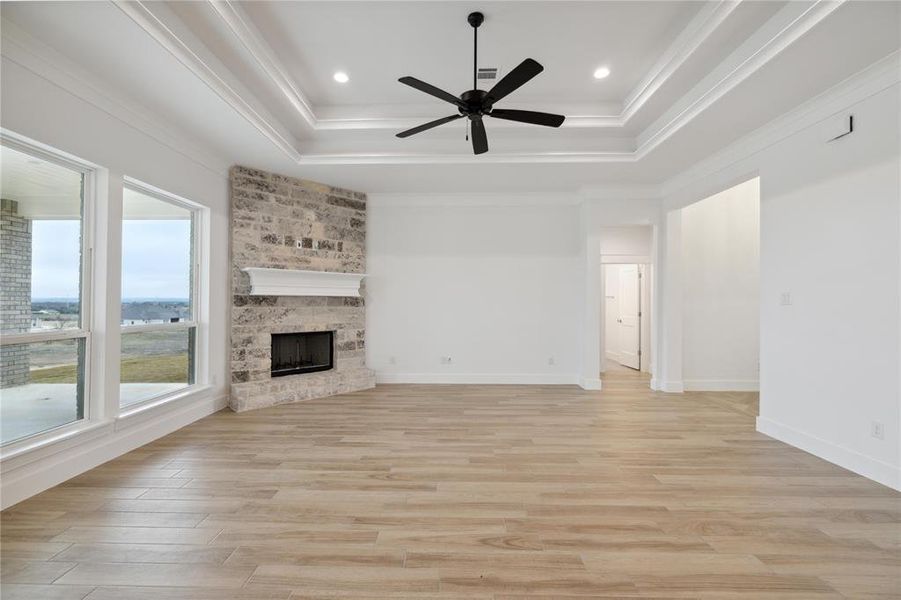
474, 99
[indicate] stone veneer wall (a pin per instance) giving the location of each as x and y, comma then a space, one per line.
15, 292
287, 223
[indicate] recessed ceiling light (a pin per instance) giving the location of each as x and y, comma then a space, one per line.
341, 77
601, 72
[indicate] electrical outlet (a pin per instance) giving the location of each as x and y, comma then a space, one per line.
551, 361
445, 360
877, 430
392, 360
785, 299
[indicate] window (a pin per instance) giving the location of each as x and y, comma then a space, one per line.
44, 329
159, 324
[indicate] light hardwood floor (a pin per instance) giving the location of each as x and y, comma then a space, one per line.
453, 492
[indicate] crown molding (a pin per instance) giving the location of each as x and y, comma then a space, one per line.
466, 159
876, 78
620, 192
757, 57
138, 12
457, 200
37, 57
702, 25
752, 55
253, 42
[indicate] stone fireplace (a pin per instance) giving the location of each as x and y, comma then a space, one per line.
295, 342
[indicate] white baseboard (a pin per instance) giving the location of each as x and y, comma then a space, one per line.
671, 387
590, 384
479, 378
721, 385
871, 468
83, 453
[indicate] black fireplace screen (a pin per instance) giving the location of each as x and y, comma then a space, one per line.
307, 352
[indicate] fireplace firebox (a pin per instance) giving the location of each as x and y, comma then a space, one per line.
306, 352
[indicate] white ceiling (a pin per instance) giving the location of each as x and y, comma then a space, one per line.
41, 188
251, 82
433, 41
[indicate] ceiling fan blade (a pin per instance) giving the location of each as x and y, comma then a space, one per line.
428, 125
526, 70
528, 116
479, 137
430, 89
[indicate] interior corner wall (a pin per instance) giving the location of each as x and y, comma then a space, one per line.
830, 226
496, 289
721, 290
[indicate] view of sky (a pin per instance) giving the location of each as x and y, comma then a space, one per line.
54, 258
155, 259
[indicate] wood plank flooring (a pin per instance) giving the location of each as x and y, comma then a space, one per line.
453, 492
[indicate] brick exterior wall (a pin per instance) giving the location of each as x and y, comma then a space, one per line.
15, 291
287, 223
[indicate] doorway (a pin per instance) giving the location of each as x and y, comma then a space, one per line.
626, 315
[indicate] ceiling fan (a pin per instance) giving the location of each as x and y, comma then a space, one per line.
475, 103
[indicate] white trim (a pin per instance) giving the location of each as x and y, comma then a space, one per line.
705, 22
879, 76
84, 452
672, 387
478, 378
43, 61
590, 384
699, 29
139, 412
721, 385
138, 12
625, 259
388, 158
758, 57
867, 466
456, 200
297, 282
36, 337
153, 327
265, 58
703, 25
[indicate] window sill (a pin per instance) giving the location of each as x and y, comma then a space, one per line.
42, 446
141, 411
87, 431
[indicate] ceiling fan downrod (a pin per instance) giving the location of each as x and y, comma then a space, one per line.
475, 19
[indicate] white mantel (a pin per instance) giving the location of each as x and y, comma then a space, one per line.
295, 282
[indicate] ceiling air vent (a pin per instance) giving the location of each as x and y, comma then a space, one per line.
487, 73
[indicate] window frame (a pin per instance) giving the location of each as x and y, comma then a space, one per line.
197, 215
84, 331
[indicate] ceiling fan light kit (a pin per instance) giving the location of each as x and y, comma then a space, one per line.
475, 103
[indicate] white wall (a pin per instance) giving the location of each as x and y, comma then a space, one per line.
626, 243
830, 225
47, 105
495, 288
721, 290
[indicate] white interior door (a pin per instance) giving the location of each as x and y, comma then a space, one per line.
629, 316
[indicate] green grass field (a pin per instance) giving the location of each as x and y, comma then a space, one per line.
146, 369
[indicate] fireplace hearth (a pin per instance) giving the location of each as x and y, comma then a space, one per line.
307, 352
